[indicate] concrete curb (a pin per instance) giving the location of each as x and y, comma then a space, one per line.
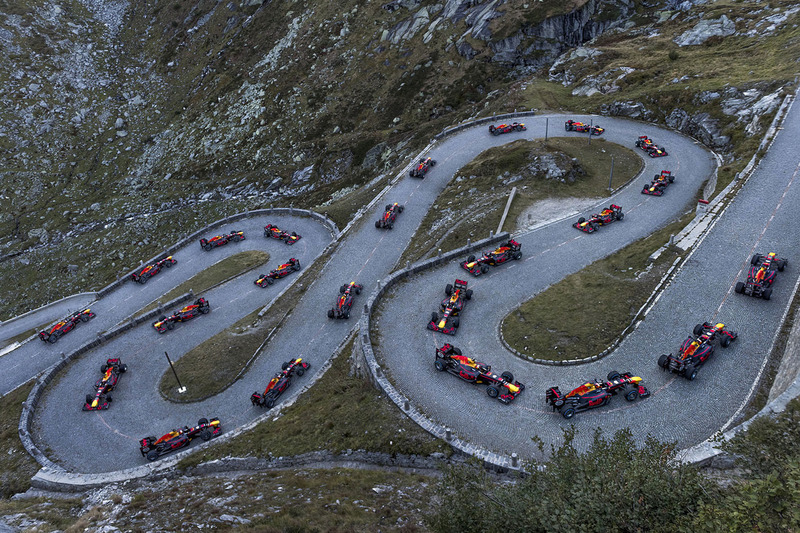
490, 459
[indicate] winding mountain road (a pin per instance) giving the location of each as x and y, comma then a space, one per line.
678, 410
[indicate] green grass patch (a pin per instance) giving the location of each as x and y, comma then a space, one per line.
224, 270
342, 210
481, 188
16, 466
338, 413
22, 336
544, 326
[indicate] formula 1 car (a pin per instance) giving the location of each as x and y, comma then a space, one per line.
219, 240
422, 168
345, 302
761, 276
452, 305
606, 217
277, 233
696, 350
199, 307
652, 149
506, 252
389, 216
279, 383
149, 271
281, 272
596, 393
659, 184
111, 372
153, 448
581, 127
63, 327
507, 128
502, 387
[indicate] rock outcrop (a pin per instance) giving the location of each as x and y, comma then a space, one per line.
705, 29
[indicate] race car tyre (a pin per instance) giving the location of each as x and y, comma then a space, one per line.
52, 339
595, 225
517, 255
620, 216
358, 290
342, 289
726, 341
558, 403
170, 325
507, 376
390, 225
456, 322
401, 208
612, 375
457, 351
567, 127
755, 259
300, 370
205, 435
439, 364
152, 455
103, 368
378, 224
698, 329
202, 421
484, 269
767, 294
285, 365
568, 413
433, 162
346, 314
492, 391
469, 294
690, 372
330, 313
782, 265
296, 266
207, 247
448, 289
471, 259
630, 392
168, 264
269, 403
663, 361
672, 179
204, 310
581, 220
270, 281
89, 399
387, 207
123, 369
739, 287
85, 318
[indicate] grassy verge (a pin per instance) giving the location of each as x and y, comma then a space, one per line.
216, 273
338, 413
210, 368
543, 327
22, 336
16, 466
52, 514
342, 210
481, 188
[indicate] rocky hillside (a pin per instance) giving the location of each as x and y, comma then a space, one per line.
128, 123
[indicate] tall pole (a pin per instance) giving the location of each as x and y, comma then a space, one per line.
181, 388
611, 174
546, 123
590, 131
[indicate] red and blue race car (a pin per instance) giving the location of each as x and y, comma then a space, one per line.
149, 271
344, 302
502, 254
220, 240
763, 269
422, 168
659, 184
153, 448
454, 302
276, 233
695, 351
507, 128
199, 307
389, 216
56, 331
111, 370
596, 393
281, 272
503, 387
582, 127
604, 218
652, 149
278, 384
